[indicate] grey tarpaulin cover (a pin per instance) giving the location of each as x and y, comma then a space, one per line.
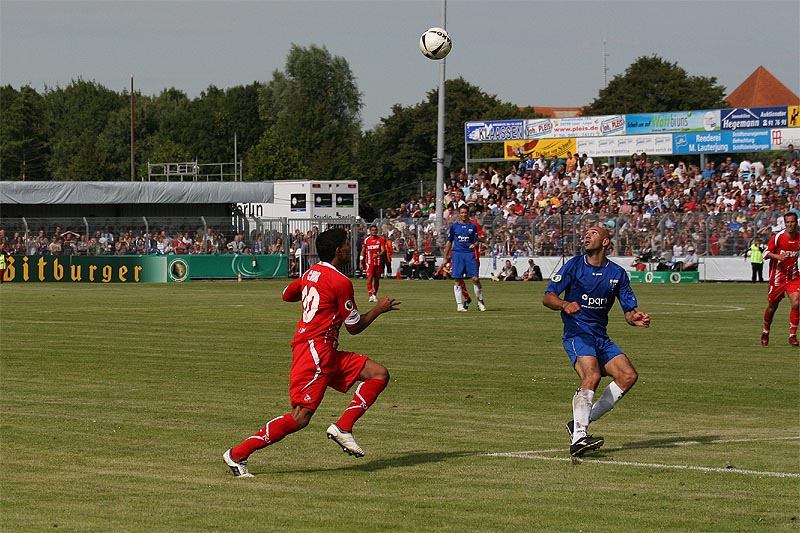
146, 192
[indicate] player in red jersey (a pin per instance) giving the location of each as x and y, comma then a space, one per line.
478, 252
328, 302
784, 277
371, 261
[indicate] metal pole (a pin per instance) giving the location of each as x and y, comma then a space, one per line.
440, 136
133, 164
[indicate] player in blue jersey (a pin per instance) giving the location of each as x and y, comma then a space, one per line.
591, 283
463, 238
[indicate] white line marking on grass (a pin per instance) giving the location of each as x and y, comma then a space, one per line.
716, 308
651, 465
535, 454
673, 444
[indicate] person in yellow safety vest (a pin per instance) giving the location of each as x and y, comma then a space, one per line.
3, 253
756, 255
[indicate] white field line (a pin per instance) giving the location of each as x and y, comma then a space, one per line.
715, 308
536, 455
671, 444
654, 465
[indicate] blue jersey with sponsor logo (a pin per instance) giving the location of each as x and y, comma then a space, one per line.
462, 235
595, 289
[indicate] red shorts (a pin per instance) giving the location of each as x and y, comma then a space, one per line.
373, 270
776, 292
316, 366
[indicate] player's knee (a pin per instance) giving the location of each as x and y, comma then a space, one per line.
381, 373
373, 370
590, 380
627, 379
302, 416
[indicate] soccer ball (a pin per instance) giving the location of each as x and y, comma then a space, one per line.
435, 43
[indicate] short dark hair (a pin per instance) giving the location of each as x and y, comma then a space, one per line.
790, 214
328, 241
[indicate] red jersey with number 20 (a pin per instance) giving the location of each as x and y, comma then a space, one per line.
328, 302
781, 272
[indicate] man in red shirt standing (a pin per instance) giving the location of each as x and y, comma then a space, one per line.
328, 302
784, 277
371, 254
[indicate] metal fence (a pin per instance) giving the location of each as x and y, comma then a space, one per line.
294, 238
710, 233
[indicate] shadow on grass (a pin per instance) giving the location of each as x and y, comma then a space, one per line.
408, 459
670, 442
666, 442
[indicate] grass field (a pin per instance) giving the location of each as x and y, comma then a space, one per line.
117, 402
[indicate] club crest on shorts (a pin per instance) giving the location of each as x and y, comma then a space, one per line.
349, 305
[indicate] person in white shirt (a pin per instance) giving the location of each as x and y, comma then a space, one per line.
745, 167
651, 195
690, 261
588, 162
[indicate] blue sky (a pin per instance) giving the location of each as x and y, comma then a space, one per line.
539, 53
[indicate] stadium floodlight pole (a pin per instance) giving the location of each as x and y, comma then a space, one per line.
440, 136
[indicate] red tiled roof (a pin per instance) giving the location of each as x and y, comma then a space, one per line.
559, 112
762, 89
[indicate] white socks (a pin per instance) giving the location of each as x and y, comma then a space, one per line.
478, 292
459, 297
581, 409
611, 395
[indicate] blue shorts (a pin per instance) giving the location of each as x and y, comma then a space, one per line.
464, 265
602, 348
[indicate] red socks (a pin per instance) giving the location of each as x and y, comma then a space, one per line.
794, 318
275, 430
366, 394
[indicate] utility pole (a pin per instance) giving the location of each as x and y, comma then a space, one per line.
133, 122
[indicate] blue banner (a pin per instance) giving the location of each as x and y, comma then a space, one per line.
755, 117
721, 142
495, 131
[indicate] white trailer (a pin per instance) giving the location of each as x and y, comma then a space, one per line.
307, 199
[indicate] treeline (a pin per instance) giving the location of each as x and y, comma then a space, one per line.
302, 124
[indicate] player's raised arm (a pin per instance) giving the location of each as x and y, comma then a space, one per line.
293, 291
384, 305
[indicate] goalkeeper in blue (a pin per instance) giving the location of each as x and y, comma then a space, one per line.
590, 284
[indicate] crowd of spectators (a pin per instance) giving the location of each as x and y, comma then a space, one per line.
537, 206
124, 241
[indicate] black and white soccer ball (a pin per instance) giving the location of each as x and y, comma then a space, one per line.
435, 43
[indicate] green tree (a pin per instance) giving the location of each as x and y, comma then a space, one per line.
651, 85
273, 158
314, 106
23, 135
77, 115
167, 130
217, 116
